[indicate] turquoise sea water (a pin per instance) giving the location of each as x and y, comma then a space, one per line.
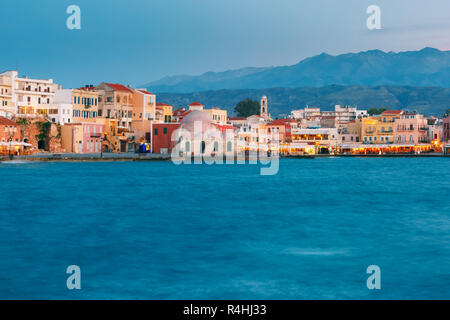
154, 230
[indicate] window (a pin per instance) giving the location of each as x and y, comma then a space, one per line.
156, 132
165, 130
202, 146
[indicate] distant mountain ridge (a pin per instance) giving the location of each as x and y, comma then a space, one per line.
428, 67
426, 100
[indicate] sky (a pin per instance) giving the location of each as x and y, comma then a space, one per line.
134, 42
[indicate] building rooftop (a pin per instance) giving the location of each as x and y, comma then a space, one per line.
195, 103
160, 104
6, 122
392, 112
118, 87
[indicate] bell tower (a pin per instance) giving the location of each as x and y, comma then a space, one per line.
263, 112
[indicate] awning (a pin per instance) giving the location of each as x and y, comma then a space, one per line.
15, 144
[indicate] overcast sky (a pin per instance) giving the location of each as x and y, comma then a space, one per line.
136, 41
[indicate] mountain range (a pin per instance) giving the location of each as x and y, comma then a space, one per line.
426, 100
423, 68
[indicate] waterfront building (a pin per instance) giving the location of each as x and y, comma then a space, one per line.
219, 116
196, 142
30, 98
161, 141
250, 133
325, 140
111, 137
379, 129
346, 114
75, 106
446, 130
283, 128
115, 101
10, 137
144, 113
351, 132
328, 121
313, 122
82, 137
179, 114
237, 122
338, 118
196, 106
411, 128
305, 113
163, 113
7, 107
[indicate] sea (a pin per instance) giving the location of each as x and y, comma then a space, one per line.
156, 230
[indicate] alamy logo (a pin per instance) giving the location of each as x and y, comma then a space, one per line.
200, 143
74, 20
374, 19
374, 280
74, 280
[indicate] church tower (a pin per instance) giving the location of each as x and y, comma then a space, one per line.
263, 112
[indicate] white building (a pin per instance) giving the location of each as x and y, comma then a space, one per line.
30, 97
306, 113
63, 104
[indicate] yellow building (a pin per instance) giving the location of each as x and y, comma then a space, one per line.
163, 113
379, 129
110, 134
218, 115
85, 105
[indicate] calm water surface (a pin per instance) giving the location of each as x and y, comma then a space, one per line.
153, 230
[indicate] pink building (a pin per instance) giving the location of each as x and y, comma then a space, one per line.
82, 137
411, 128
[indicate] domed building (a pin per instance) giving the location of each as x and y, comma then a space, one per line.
198, 133
197, 120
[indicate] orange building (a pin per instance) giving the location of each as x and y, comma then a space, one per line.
10, 137
116, 102
283, 127
144, 112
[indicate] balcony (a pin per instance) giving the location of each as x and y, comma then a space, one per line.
96, 135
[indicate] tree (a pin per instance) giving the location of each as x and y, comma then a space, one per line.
446, 114
247, 108
376, 111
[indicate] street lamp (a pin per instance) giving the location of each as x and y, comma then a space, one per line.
151, 134
11, 130
103, 138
